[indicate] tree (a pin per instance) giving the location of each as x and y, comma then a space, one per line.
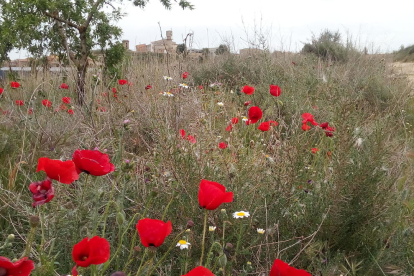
181, 49
222, 49
67, 28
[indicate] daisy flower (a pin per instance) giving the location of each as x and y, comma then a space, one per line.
212, 228
184, 85
167, 78
167, 94
220, 104
261, 231
183, 244
245, 119
241, 214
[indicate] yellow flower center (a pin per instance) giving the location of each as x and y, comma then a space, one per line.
182, 242
240, 214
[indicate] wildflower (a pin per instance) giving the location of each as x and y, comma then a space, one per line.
223, 145
70, 111
47, 103
200, 87
22, 267
212, 228
247, 103
315, 150
64, 86
1, 90
265, 126
220, 104
255, 114
248, 90
88, 252
184, 85
214, 84
191, 139
148, 87
122, 82
167, 78
199, 271
212, 194
274, 90
306, 127
42, 192
183, 244
30, 111
281, 268
153, 231
244, 119
328, 130
182, 133
62, 171
167, 94
307, 117
185, 75
241, 214
92, 162
260, 231
19, 102
114, 90
66, 100
358, 142
14, 84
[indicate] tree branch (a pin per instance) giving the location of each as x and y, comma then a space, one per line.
90, 15
57, 18
62, 33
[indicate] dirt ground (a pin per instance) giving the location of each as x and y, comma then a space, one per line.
406, 69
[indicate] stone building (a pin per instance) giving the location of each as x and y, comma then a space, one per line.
163, 46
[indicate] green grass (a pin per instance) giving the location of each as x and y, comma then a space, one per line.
346, 209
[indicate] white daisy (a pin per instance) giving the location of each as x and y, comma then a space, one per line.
245, 119
241, 214
220, 104
167, 78
212, 228
183, 244
167, 94
261, 231
184, 85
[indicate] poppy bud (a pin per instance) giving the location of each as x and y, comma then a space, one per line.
10, 237
137, 248
224, 213
120, 218
229, 245
34, 221
190, 224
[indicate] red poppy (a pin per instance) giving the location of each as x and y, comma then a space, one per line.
22, 267
66, 100
315, 150
1, 90
92, 162
90, 251
30, 111
293, 63
229, 127
19, 102
153, 231
64, 86
265, 126
199, 271
122, 82
255, 114
185, 75
307, 117
42, 192
182, 133
306, 127
247, 103
248, 90
114, 90
223, 145
201, 87
14, 84
235, 120
148, 87
191, 139
63, 107
281, 268
70, 111
328, 130
212, 194
47, 103
275, 90
62, 171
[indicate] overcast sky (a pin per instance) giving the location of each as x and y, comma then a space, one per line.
378, 24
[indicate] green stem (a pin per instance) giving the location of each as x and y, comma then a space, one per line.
28, 248
142, 261
238, 241
204, 236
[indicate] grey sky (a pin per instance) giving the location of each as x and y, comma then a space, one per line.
379, 25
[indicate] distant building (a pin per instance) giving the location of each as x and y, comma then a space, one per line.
162, 46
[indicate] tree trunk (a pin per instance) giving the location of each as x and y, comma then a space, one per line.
82, 66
